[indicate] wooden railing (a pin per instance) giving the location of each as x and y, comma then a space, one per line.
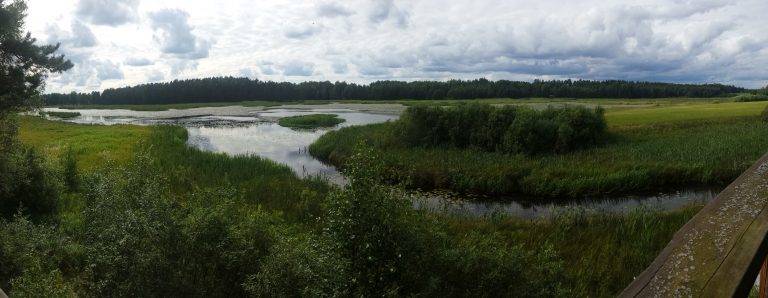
720, 251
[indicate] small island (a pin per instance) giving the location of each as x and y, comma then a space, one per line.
62, 115
310, 121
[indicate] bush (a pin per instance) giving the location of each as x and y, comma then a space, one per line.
752, 97
301, 266
507, 129
764, 114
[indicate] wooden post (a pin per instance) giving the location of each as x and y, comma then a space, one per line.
763, 292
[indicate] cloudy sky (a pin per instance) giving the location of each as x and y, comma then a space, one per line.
125, 42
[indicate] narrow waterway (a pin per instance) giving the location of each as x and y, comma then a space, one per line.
253, 130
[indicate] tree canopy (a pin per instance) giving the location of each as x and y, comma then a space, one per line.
24, 65
229, 89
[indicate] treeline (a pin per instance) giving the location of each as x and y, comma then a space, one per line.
505, 129
230, 89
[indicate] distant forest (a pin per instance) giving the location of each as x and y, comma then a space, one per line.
231, 89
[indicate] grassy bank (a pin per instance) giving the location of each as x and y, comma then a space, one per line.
650, 150
310, 121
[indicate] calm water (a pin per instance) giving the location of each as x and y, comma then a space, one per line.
252, 130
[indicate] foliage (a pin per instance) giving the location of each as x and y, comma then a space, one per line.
310, 121
764, 114
29, 251
28, 182
23, 63
378, 232
300, 266
506, 129
229, 89
752, 97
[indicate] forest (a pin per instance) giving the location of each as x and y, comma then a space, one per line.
231, 89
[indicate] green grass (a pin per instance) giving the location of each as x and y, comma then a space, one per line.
62, 115
310, 121
92, 145
601, 253
684, 113
651, 150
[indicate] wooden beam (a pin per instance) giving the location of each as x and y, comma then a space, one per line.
720, 251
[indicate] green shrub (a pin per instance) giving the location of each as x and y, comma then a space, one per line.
506, 129
764, 115
752, 97
300, 266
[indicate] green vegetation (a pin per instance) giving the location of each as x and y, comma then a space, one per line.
506, 129
310, 121
752, 97
62, 115
236, 226
650, 149
764, 114
91, 145
230, 89
692, 112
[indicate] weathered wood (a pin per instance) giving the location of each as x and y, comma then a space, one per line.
763, 293
719, 252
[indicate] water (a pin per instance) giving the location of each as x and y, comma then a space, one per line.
252, 130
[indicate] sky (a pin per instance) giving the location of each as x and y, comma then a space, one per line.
116, 43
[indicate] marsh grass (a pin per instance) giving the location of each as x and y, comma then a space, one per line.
261, 181
649, 150
310, 121
91, 145
601, 252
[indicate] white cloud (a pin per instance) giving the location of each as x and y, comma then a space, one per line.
108, 12
138, 61
676, 41
174, 34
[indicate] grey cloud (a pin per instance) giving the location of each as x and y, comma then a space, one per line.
302, 32
108, 70
367, 70
155, 75
298, 68
138, 61
79, 36
383, 10
332, 10
266, 68
181, 65
340, 68
108, 12
246, 72
174, 34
